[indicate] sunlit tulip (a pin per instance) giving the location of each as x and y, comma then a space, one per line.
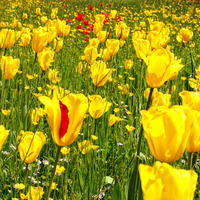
113, 14
44, 19
55, 11
3, 135
128, 64
1, 41
25, 40
25, 16
101, 35
164, 41
38, 11
193, 144
30, 145
106, 56
155, 38
35, 193
65, 116
163, 182
161, 66
156, 26
9, 67
90, 54
185, 35
94, 42
191, 99
52, 34
161, 99
66, 30
137, 35
60, 27
58, 44
8, 38
39, 40
112, 46
99, 18
53, 76
166, 131
45, 58
142, 48
97, 27
125, 32
99, 73
98, 106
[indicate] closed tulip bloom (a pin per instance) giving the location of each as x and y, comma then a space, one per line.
142, 48
125, 32
118, 28
58, 44
99, 73
9, 67
60, 27
113, 14
185, 35
25, 40
101, 35
164, 41
106, 56
45, 58
39, 40
65, 116
137, 35
128, 64
98, 106
25, 16
94, 42
44, 19
52, 34
66, 30
154, 38
163, 182
161, 66
3, 135
100, 18
35, 193
112, 46
30, 145
193, 144
97, 27
166, 131
38, 11
1, 41
90, 54
8, 37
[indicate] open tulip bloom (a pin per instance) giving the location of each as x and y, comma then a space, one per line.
65, 116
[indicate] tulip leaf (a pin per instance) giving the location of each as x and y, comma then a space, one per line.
116, 190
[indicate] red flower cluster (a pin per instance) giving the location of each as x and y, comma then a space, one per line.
80, 17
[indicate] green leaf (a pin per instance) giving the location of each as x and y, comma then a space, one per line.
117, 190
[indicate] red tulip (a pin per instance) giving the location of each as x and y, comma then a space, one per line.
80, 17
101, 4
90, 7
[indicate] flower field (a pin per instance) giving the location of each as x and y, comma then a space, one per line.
99, 100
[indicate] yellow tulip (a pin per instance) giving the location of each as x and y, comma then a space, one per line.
30, 145
185, 35
118, 28
193, 144
164, 41
38, 11
9, 67
100, 18
44, 19
8, 38
94, 42
156, 26
55, 11
97, 27
99, 73
161, 66
85, 146
161, 99
3, 135
155, 38
191, 99
142, 48
58, 44
39, 40
25, 16
147, 91
125, 32
106, 56
65, 116
60, 27
128, 64
166, 131
52, 34
98, 106
90, 54
101, 35
45, 58
52, 76
35, 193
137, 35
36, 115
113, 14
163, 182
66, 30
112, 46
25, 39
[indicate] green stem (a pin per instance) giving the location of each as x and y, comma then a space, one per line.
53, 172
26, 172
170, 86
138, 148
190, 160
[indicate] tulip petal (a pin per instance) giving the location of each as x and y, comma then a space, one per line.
64, 120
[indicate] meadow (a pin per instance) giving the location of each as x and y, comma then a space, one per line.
99, 100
